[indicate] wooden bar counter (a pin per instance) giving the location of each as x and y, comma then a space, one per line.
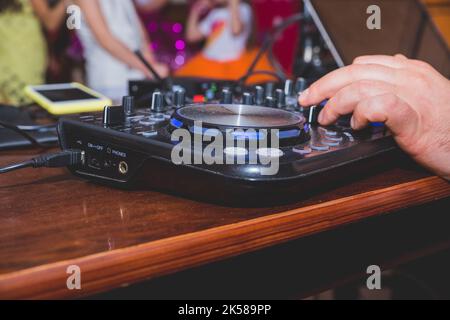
50, 220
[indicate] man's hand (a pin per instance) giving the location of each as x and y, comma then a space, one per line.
409, 96
162, 69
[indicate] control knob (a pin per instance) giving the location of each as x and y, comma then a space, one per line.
157, 102
247, 99
271, 102
300, 85
269, 89
179, 99
288, 88
226, 96
280, 97
259, 96
128, 106
113, 115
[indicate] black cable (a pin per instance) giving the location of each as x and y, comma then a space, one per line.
268, 43
37, 128
138, 53
24, 134
166, 83
276, 64
55, 160
269, 73
17, 166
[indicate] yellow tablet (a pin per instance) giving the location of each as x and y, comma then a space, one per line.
67, 98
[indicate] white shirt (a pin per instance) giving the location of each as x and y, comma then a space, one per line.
222, 45
105, 73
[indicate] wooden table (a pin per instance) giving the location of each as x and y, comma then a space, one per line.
50, 220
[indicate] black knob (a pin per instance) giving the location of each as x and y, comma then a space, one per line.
300, 85
113, 115
269, 89
247, 98
289, 88
280, 97
271, 102
259, 95
313, 116
226, 96
128, 105
157, 102
179, 99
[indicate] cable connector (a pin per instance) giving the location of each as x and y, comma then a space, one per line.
64, 158
61, 159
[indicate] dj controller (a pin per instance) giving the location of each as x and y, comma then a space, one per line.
267, 148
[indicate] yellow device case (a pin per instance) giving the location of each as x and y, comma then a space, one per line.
68, 107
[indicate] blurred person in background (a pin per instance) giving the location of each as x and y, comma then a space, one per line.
227, 26
111, 33
23, 50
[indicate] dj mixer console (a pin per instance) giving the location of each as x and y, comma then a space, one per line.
134, 148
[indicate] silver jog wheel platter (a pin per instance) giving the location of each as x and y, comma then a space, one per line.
239, 116
291, 128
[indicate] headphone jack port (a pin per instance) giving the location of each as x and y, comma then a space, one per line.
123, 167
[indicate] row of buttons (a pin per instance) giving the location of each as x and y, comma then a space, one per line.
331, 139
148, 120
326, 140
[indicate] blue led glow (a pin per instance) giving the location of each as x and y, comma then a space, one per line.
176, 123
288, 134
307, 127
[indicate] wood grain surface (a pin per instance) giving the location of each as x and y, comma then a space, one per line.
50, 220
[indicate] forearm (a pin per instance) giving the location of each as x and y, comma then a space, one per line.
105, 38
152, 5
51, 18
236, 22
56, 16
121, 52
193, 33
146, 44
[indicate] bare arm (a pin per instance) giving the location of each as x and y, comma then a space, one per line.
106, 39
146, 42
193, 33
236, 23
151, 6
161, 68
51, 18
